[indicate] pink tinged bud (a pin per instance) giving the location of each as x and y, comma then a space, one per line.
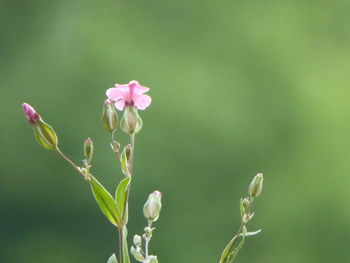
152, 207
31, 115
131, 94
44, 133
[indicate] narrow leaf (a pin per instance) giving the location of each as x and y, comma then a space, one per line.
121, 198
124, 164
112, 259
235, 251
105, 201
249, 234
227, 250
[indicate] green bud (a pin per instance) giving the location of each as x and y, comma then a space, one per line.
115, 146
152, 207
88, 149
131, 121
137, 240
244, 205
45, 135
255, 187
109, 116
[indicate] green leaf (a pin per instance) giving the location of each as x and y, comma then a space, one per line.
112, 259
124, 163
241, 206
121, 198
227, 250
249, 234
126, 258
105, 202
230, 252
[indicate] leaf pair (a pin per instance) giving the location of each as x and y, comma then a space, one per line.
114, 209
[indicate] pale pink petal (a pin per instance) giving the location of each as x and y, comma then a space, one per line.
137, 87
142, 101
115, 94
120, 104
122, 87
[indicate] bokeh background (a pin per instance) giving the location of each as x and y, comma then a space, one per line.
238, 87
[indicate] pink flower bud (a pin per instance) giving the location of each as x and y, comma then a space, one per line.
31, 115
44, 133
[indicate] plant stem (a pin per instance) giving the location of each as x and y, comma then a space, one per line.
121, 233
251, 199
148, 240
132, 142
70, 162
121, 246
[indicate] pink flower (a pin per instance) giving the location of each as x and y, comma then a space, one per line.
130, 94
30, 113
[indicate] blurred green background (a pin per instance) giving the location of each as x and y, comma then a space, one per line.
238, 87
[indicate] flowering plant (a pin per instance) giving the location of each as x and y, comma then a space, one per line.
130, 98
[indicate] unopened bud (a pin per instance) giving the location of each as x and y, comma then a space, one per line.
44, 133
152, 207
246, 203
115, 146
255, 187
244, 206
137, 240
109, 116
31, 115
131, 121
88, 149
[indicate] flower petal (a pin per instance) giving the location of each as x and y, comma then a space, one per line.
115, 94
120, 104
142, 101
137, 87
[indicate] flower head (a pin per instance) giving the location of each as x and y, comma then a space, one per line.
30, 113
131, 94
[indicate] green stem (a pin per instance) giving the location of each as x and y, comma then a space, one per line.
148, 240
121, 238
251, 199
70, 162
121, 246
